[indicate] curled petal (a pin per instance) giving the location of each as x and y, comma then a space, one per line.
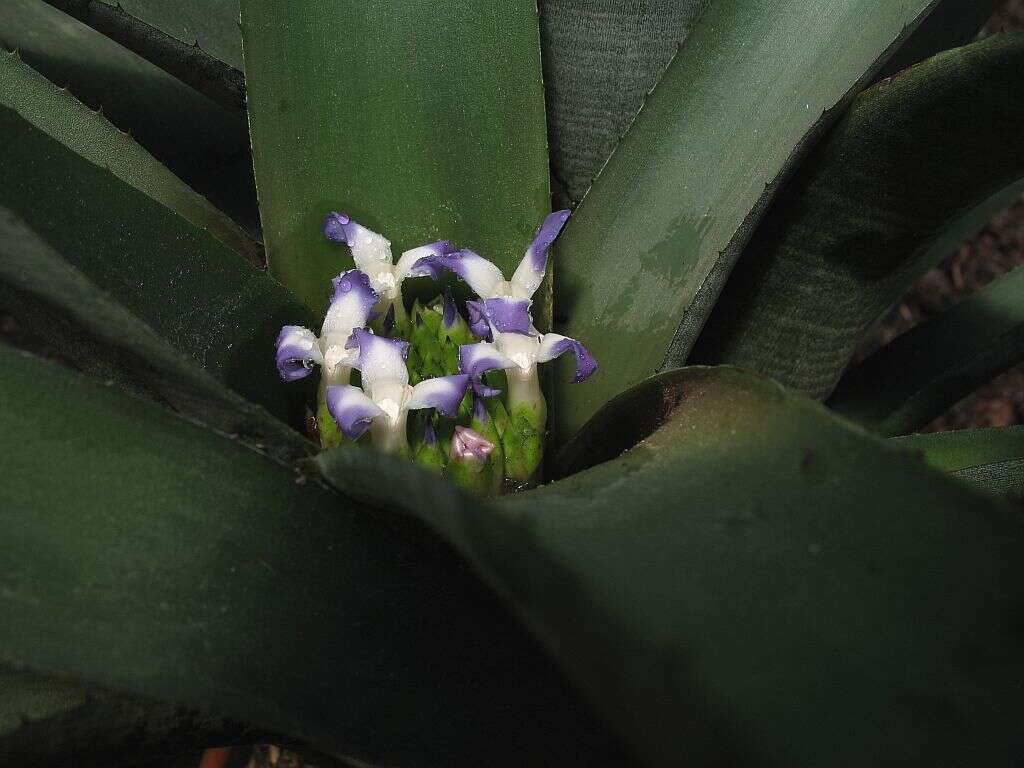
368, 247
479, 358
443, 393
508, 315
530, 272
351, 303
352, 409
553, 344
478, 320
481, 275
424, 261
380, 359
468, 445
298, 349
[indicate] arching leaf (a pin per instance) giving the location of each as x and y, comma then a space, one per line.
191, 289
922, 373
757, 583
209, 576
641, 264
853, 231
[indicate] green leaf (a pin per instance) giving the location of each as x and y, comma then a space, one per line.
70, 122
600, 62
100, 336
923, 372
990, 459
418, 124
203, 143
196, 293
856, 227
951, 24
165, 34
211, 25
47, 722
758, 583
752, 87
205, 575
964, 448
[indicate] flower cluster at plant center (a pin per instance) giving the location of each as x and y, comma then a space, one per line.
465, 387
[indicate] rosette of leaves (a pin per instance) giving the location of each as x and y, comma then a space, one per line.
728, 565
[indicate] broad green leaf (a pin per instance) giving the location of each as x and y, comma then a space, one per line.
206, 575
922, 373
758, 583
423, 120
46, 722
62, 116
990, 459
98, 335
196, 293
856, 227
643, 260
204, 144
600, 62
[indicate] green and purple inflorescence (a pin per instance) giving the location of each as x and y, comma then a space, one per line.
463, 384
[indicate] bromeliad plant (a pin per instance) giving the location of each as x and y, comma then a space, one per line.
738, 551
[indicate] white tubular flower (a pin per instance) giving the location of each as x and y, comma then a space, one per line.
385, 399
372, 254
299, 349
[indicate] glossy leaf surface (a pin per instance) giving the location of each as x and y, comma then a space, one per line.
419, 125
854, 229
206, 575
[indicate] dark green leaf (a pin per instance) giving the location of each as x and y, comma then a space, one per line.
919, 375
951, 24
416, 122
100, 336
199, 295
203, 143
600, 62
854, 230
153, 557
48, 723
990, 459
211, 25
644, 259
60, 115
163, 34
756, 583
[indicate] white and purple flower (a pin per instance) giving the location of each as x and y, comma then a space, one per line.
488, 281
385, 399
517, 347
372, 254
299, 349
